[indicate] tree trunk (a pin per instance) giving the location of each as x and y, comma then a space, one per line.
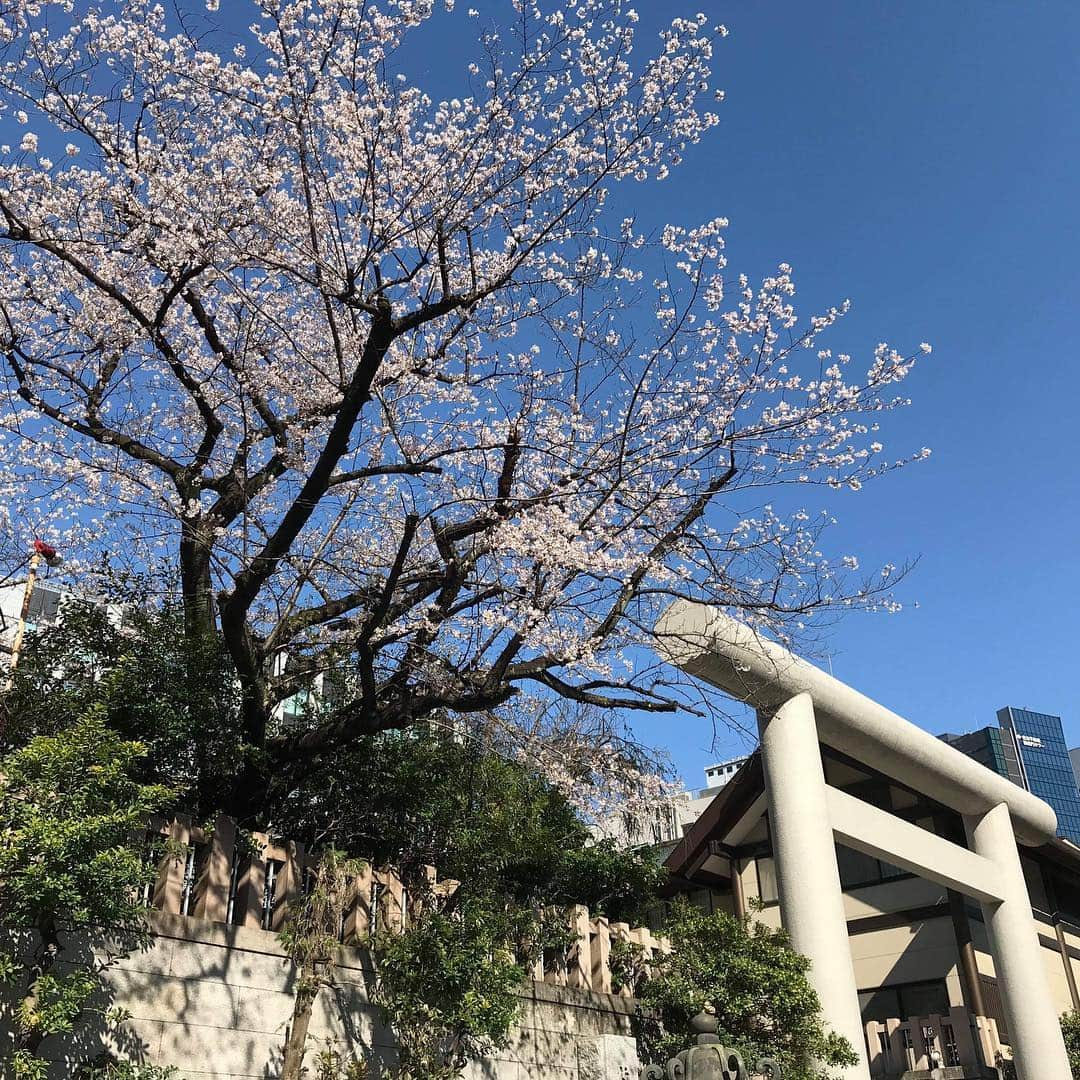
47, 952
196, 583
296, 1042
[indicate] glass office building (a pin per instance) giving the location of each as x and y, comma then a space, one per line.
1029, 749
1043, 757
992, 747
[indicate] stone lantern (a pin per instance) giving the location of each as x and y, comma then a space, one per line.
707, 1059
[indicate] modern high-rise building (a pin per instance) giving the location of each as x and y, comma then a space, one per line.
993, 748
1044, 760
1029, 749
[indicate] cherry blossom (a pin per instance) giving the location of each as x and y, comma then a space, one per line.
387, 383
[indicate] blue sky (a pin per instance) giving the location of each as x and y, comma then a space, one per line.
922, 159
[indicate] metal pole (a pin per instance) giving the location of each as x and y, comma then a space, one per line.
1066, 960
20, 630
738, 894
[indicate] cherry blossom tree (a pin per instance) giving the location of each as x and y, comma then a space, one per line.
397, 386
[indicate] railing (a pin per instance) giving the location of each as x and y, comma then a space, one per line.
947, 1041
213, 875
587, 963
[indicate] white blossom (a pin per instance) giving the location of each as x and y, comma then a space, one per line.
392, 372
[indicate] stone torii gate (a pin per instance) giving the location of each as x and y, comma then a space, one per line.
800, 706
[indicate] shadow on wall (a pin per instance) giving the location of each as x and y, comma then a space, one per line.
210, 1009
215, 1001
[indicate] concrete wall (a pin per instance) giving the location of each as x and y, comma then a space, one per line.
214, 1002
899, 894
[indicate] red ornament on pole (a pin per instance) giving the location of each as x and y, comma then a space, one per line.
47, 552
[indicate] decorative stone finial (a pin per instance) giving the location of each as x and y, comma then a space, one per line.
704, 1025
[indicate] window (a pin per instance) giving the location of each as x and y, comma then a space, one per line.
924, 999
44, 605
858, 870
907, 1001
994, 1008
855, 868
766, 877
883, 1004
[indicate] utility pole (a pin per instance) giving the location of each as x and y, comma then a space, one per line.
40, 551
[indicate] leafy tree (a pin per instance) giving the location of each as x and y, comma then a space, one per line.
130, 1070
434, 796
414, 799
172, 693
441, 796
449, 986
311, 942
376, 379
757, 984
331, 1064
409, 799
72, 815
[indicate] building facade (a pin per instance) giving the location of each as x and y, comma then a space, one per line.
44, 610
1044, 760
991, 748
667, 821
1029, 749
921, 953
48, 600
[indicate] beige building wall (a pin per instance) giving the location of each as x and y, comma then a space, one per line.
1055, 974
900, 894
904, 954
926, 948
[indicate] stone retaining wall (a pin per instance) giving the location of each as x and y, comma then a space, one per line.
214, 1001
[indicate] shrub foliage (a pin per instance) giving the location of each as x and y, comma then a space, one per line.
748, 972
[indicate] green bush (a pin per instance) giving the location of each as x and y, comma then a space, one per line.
411, 799
748, 972
449, 988
73, 816
175, 696
1070, 1028
129, 1070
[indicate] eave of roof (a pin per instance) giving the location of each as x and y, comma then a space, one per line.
740, 793
729, 804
